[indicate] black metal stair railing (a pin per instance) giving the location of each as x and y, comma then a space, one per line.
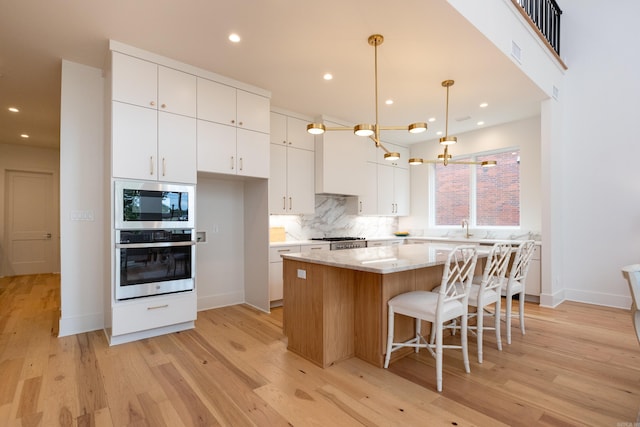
546, 15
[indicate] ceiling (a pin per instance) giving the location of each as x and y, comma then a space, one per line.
286, 47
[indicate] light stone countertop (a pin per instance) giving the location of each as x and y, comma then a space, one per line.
382, 259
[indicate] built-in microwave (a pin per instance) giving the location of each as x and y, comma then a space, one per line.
153, 205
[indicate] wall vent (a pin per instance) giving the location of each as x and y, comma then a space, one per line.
462, 119
516, 52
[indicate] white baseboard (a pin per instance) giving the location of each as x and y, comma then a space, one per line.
81, 324
135, 336
598, 298
208, 302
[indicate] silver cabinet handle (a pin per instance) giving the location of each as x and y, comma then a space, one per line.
290, 203
284, 250
151, 165
164, 167
360, 207
241, 163
232, 163
155, 307
284, 203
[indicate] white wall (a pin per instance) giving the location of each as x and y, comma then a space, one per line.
82, 178
589, 185
33, 159
220, 261
523, 134
600, 171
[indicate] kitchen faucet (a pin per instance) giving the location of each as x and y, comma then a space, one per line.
465, 225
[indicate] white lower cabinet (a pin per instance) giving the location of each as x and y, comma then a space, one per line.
153, 312
275, 264
384, 242
275, 269
532, 285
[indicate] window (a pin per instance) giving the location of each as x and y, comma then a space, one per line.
488, 197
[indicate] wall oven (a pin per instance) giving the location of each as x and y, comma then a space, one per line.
154, 262
153, 205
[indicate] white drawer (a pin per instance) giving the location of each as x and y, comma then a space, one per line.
153, 312
276, 251
315, 247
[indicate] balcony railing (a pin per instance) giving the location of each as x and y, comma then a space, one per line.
545, 14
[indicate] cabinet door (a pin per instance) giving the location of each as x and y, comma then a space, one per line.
278, 127
216, 148
134, 81
216, 102
401, 190
300, 181
368, 201
275, 281
134, 142
297, 135
252, 111
278, 179
386, 199
252, 153
176, 92
176, 148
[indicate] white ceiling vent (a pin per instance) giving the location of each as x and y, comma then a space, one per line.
462, 119
516, 52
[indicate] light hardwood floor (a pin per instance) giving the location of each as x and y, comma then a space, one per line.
577, 365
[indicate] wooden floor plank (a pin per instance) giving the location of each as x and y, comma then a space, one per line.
577, 365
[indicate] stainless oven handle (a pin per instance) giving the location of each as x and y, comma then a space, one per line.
153, 245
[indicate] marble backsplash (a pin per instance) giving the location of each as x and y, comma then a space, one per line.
335, 216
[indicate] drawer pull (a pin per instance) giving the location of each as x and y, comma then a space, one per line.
284, 250
158, 306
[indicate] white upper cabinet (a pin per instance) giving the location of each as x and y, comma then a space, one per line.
227, 105
290, 131
135, 81
153, 121
176, 92
291, 180
228, 150
368, 200
143, 83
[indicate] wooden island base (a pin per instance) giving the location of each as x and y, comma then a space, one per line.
332, 314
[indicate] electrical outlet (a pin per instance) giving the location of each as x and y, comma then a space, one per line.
302, 274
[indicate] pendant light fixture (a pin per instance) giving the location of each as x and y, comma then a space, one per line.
369, 130
447, 140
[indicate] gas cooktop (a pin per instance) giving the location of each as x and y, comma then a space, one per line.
337, 239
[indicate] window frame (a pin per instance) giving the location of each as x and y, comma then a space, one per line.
473, 192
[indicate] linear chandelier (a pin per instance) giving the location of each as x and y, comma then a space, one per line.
447, 140
364, 129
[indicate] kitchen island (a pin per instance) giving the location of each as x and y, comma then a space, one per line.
335, 303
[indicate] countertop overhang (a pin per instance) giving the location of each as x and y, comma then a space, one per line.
383, 259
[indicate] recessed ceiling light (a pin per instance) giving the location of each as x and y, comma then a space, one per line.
24, 135
432, 119
484, 105
480, 123
234, 37
389, 101
328, 76
14, 110
439, 132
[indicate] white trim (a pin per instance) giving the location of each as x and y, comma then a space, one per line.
135, 336
80, 324
222, 300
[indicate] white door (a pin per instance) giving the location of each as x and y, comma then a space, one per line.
30, 223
